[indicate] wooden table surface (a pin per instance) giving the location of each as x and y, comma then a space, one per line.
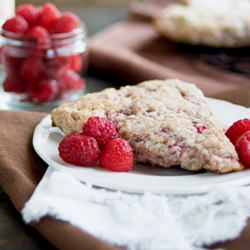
14, 234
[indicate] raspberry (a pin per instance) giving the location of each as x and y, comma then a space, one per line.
69, 80
42, 91
13, 84
55, 64
12, 64
28, 12
101, 129
48, 16
117, 156
243, 149
76, 62
237, 130
38, 34
73, 62
66, 23
32, 68
16, 24
79, 149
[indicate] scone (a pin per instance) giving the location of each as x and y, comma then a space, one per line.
167, 123
215, 23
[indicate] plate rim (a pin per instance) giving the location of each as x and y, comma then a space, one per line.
205, 188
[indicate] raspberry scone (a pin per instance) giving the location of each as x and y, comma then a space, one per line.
167, 123
215, 23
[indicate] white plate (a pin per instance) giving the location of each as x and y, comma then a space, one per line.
144, 177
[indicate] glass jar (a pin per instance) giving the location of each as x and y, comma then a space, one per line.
7, 10
41, 76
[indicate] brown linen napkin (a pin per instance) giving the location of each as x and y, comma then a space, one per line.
21, 170
134, 50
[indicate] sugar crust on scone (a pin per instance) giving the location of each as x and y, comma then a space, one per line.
215, 23
161, 120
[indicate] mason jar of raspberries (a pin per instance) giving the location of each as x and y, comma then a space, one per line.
44, 57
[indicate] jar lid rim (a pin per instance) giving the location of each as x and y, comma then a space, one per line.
59, 38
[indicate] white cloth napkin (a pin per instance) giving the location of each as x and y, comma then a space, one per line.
141, 222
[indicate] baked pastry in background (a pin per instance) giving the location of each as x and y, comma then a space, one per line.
166, 122
215, 23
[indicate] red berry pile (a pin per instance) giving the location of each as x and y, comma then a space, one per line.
29, 69
97, 142
239, 135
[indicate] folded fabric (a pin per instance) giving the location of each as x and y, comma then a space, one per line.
21, 170
134, 50
141, 221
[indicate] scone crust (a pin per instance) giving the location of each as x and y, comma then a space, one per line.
214, 23
163, 121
